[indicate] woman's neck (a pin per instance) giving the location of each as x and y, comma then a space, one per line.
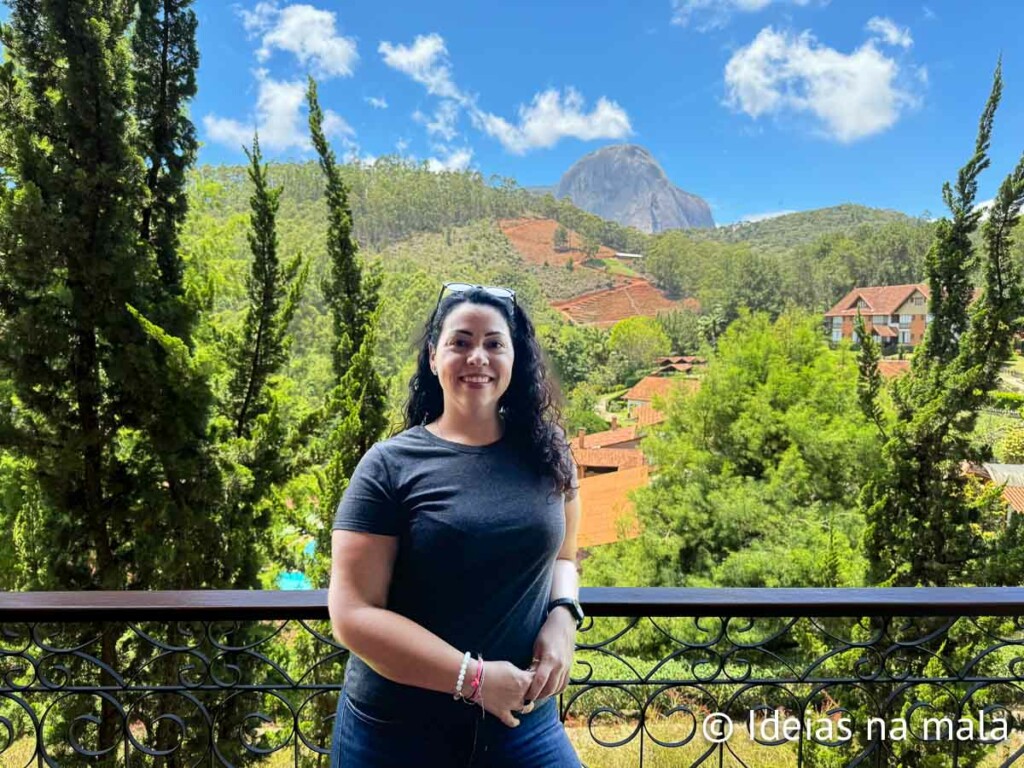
479, 430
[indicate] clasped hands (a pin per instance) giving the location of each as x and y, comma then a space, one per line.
508, 689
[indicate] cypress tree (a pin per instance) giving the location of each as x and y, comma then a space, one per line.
273, 293
351, 295
165, 62
354, 412
927, 524
107, 407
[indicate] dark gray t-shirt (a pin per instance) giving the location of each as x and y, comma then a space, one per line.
478, 532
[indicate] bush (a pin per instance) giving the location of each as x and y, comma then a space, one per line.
1006, 401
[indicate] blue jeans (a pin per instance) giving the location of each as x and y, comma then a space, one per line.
363, 738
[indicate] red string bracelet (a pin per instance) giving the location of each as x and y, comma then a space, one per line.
477, 685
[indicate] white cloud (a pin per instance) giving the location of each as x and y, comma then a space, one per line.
280, 119
889, 32
754, 217
442, 124
714, 14
426, 62
307, 32
851, 96
550, 117
454, 160
377, 102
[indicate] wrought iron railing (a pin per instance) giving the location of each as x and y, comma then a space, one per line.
756, 677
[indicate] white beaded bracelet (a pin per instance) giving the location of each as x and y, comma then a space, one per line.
462, 676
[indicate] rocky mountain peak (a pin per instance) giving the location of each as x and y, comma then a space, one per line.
624, 183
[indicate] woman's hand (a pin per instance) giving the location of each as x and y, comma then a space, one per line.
552, 656
503, 689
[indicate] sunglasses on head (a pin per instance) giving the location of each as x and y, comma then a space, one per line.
497, 291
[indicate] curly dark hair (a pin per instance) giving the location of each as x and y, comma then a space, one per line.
531, 404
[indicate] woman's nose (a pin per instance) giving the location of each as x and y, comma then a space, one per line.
478, 356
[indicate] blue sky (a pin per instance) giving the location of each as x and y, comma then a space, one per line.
759, 106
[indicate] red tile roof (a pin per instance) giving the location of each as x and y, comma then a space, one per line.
880, 299
662, 386
885, 331
646, 415
607, 438
605, 504
1015, 498
605, 458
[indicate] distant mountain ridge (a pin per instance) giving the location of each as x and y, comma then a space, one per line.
791, 230
625, 184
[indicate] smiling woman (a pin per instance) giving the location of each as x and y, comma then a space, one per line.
455, 539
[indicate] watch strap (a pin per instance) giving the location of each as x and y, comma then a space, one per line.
573, 606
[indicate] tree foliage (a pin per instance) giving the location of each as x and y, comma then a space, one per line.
928, 523
755, 474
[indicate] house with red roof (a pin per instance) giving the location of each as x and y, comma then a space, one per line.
893, 314
649, 387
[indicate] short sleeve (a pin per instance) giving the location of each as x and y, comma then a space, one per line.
368, 505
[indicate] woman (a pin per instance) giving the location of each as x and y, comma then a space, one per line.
453, 579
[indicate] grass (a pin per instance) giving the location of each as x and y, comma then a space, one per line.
612, 266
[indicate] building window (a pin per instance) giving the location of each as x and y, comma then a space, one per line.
929, 318
905, 320
904, 337
880, 319
837, 334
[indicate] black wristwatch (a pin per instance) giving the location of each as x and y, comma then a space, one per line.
574, 608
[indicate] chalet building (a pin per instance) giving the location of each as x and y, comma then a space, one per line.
610, 466
893, 314
1009, 476
649, 387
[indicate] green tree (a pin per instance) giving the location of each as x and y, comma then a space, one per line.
560, 241
106, 408
683, 329
637, 341
591, 246
755, 474
165, 61
274, 294
927, 524
351, 303
354, 415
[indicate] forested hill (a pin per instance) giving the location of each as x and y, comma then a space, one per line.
781, 233
810, 258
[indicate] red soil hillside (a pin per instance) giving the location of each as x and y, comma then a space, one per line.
534, 240
605, 308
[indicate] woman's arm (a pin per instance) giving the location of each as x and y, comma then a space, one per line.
565, 581
395, 647
556, 642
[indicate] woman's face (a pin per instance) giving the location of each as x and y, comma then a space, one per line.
473, 358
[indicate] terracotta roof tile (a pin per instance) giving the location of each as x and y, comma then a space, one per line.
1014, 497
649, 386
607, 438
604, 458
880, 299
646, 415
605, 503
